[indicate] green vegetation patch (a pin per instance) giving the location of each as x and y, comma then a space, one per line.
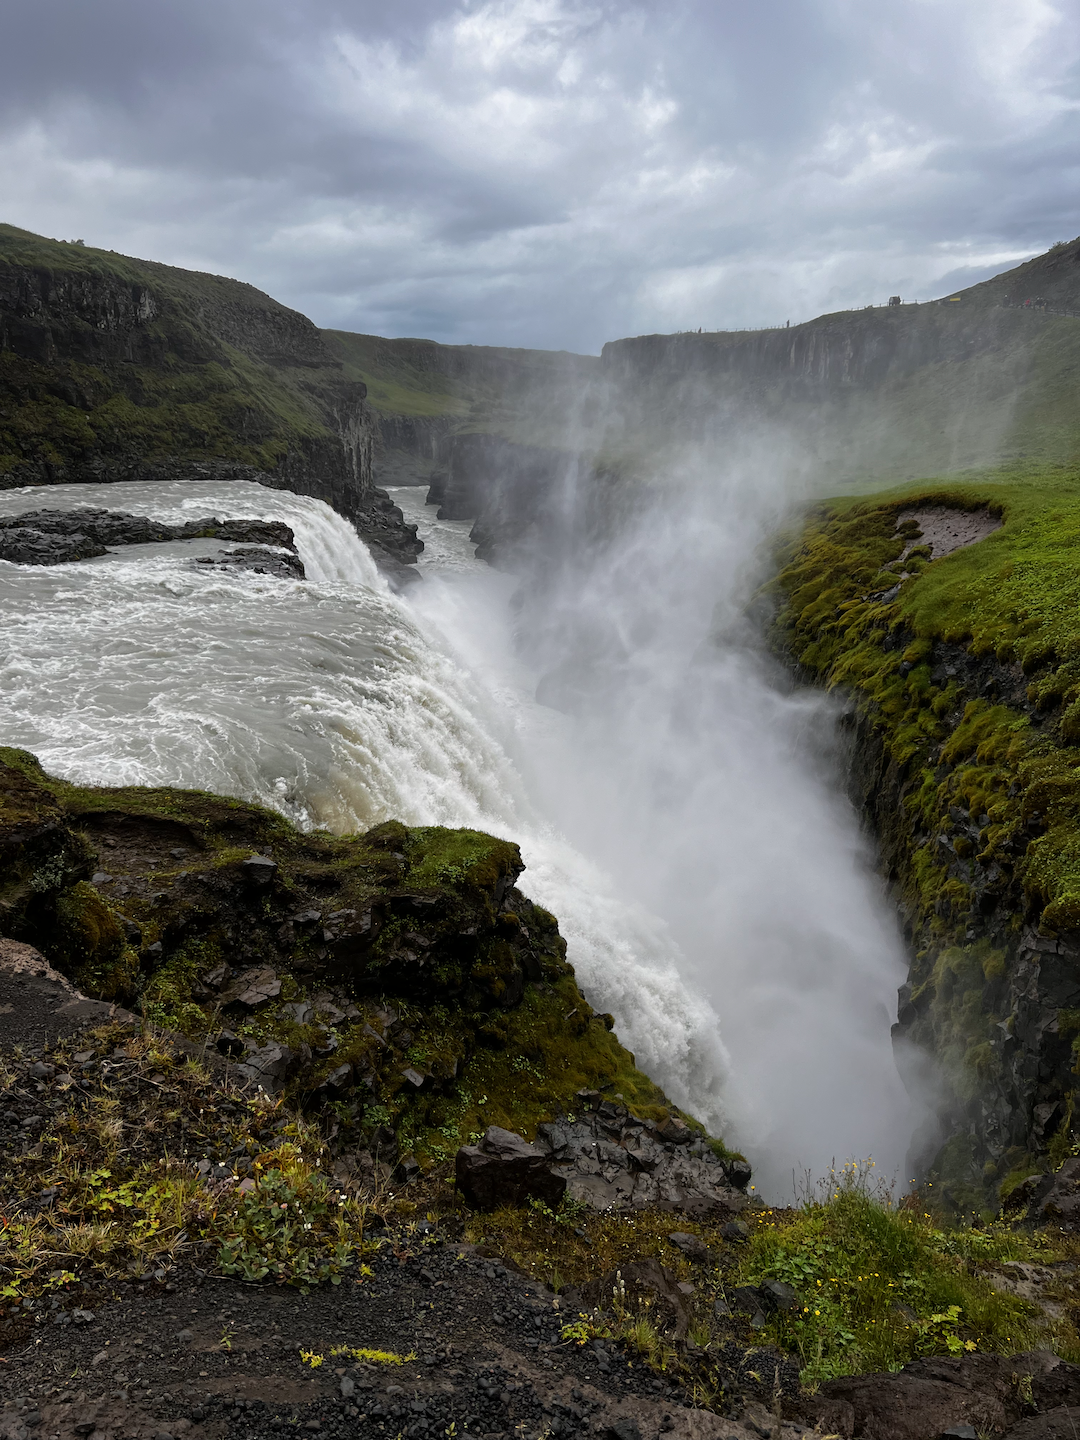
125, 363
965, 676
878, 1284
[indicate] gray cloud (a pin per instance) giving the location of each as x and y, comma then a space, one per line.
549, 172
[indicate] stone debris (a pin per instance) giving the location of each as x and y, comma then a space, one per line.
614, 1161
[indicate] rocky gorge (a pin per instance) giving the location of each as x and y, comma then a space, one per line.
350, 1064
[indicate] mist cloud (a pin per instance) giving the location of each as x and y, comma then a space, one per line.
546, 172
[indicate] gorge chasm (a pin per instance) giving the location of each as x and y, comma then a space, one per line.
409, 747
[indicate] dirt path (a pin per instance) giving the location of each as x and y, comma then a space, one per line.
214, 1358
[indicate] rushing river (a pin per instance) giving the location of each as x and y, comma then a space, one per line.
707, 878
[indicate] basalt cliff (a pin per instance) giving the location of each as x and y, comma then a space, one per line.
119, 369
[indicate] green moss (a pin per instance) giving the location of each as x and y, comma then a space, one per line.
437, 856
879, 1284
443, 968
91, 943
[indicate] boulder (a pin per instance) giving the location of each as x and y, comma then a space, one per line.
504, 1169
614, 1161
267, 1065
692, 1246
1061, 1423
940, 1393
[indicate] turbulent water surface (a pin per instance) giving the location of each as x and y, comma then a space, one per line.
679, 818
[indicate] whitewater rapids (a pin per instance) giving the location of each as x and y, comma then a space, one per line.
340, 705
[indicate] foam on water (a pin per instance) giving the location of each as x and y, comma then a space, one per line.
334, 702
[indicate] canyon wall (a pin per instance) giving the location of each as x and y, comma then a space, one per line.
113, 369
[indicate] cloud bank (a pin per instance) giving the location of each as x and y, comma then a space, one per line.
549, 172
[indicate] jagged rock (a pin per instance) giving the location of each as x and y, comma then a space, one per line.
614, 1161
259, 560
504, 1169
267, 1065
1057, 1197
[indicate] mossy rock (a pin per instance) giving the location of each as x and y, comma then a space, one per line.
963, 682
413, 986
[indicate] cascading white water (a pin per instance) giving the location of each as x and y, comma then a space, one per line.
707, 791
331, 700
678, 823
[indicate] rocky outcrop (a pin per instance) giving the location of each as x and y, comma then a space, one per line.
504, 1169
393, 543
376, 972
613, 1160
54, 537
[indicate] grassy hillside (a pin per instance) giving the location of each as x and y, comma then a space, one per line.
422, 378
965, 678
108, 362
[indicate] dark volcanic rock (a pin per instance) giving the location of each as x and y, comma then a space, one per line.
941, 1392
260, 561
504, 1169
1062, 1423
54, 537
393, 544
614, 1161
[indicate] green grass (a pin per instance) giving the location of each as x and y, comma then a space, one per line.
879, 1284
981, 834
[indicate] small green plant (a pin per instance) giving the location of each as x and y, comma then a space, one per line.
287, 1230
371, 1357
940, 1332
584, 1329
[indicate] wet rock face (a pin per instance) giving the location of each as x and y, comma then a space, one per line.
612, 1160
1054, 1197
55, 537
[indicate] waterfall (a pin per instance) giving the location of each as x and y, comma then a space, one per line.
332, 701
677, 807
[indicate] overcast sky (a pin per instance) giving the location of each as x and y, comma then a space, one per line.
534, 172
